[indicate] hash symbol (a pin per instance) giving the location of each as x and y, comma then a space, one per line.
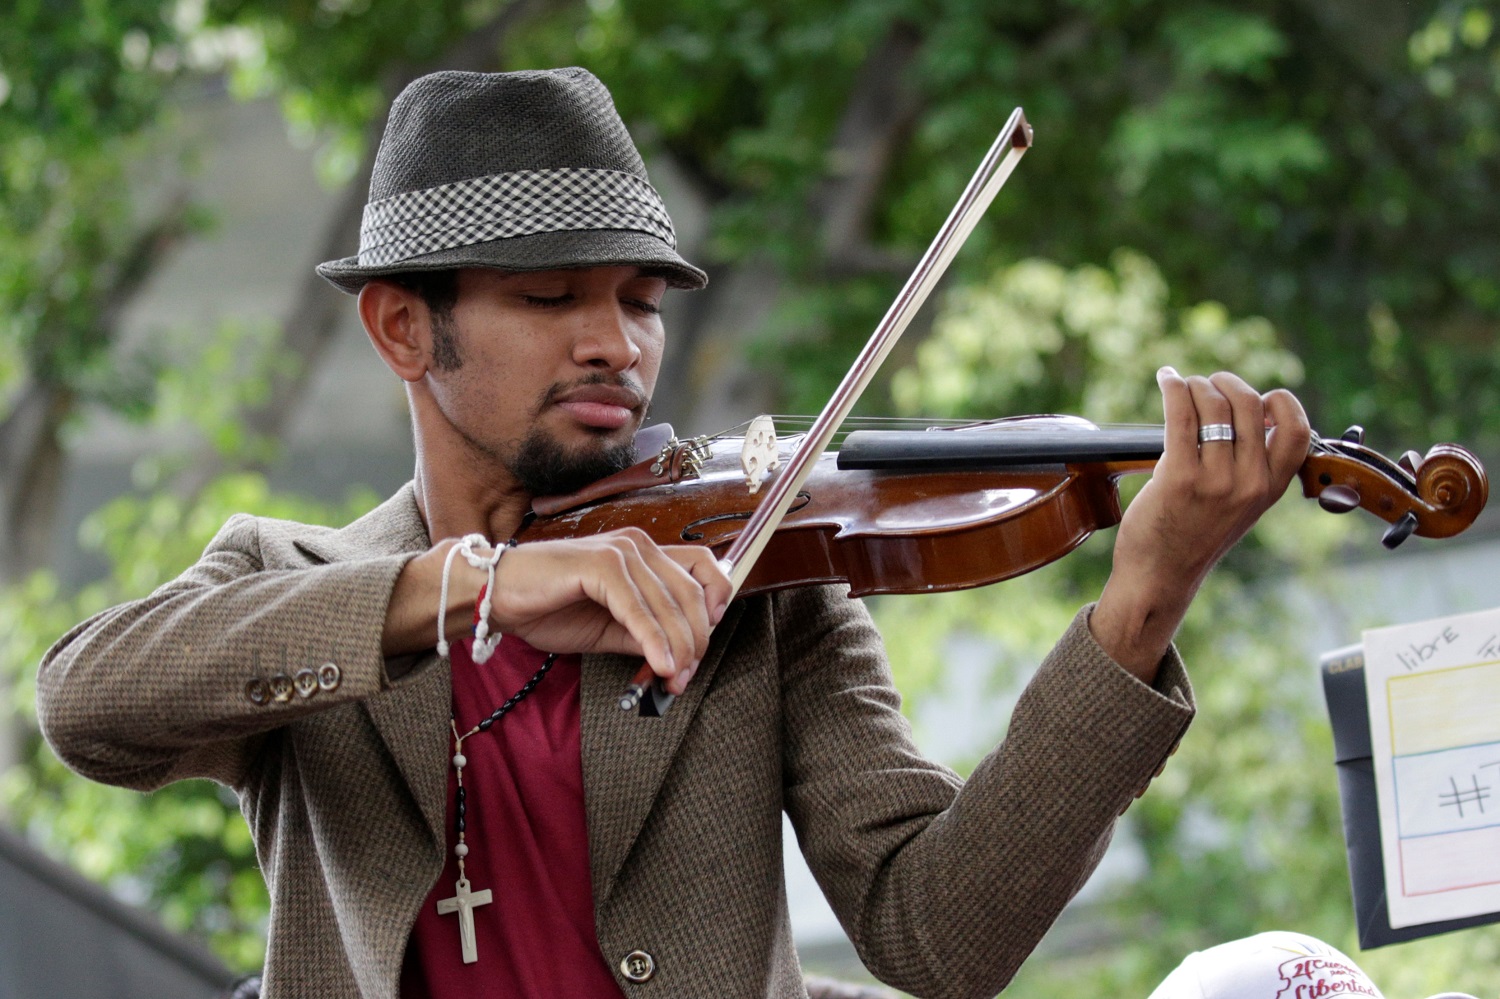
1457, 798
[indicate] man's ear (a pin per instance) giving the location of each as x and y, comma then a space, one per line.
399, 325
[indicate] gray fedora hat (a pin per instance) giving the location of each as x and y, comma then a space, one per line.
520, 171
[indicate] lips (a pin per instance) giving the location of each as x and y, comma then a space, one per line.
603, 407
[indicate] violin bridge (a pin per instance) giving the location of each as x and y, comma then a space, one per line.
759, 455
681, 459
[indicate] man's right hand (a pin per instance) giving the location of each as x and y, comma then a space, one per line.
616, 592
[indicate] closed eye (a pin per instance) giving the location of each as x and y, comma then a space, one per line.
546, 301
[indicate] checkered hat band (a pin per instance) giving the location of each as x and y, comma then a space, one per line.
505, 205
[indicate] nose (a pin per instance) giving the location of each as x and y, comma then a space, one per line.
607, 339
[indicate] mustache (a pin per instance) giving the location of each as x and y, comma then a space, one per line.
618, 388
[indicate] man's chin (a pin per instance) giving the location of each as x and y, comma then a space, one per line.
546, 467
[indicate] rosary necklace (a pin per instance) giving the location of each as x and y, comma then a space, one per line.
465, 901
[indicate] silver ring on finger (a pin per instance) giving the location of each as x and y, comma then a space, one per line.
1216, 432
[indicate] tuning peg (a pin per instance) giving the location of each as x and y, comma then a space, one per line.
1339, 499
1354, 435
1400, 530
1411, 461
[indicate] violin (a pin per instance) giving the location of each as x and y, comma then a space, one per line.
900, 511
927, 511
894, 512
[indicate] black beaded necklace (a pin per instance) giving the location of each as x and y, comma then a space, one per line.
464, 901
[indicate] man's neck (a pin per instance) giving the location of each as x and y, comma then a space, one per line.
457, 502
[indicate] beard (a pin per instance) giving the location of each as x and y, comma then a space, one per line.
544, 467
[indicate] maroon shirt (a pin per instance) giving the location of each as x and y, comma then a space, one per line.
528, 843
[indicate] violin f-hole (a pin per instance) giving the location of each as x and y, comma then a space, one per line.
692, 536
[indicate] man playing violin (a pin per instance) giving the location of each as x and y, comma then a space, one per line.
443, 811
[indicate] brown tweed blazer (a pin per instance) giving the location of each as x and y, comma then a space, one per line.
943, 886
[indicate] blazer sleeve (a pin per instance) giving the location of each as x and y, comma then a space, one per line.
188, 681
946, 886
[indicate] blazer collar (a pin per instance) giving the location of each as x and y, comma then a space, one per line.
392, 528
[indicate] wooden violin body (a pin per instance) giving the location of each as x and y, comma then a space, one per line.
929, 511
878, 531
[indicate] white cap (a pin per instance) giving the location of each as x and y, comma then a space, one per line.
1274, 965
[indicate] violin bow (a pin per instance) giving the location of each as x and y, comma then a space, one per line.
996, 167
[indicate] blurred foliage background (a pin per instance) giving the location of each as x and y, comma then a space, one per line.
1302, 192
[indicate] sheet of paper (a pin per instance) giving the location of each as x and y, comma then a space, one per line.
1434, 690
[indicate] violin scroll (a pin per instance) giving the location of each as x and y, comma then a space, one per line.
1451, 479
1436, 495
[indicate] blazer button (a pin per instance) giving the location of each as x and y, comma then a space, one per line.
638, 966
281, 688
257, 691
306, 682
329, 676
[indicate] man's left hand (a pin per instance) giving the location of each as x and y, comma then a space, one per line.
1202, 498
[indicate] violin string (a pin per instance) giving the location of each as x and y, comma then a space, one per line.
791, 424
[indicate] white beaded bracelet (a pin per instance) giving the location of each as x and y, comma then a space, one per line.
484, 643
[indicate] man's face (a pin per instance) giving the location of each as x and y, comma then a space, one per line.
549, 373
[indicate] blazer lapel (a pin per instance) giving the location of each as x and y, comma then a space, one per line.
411, 717
626, 756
